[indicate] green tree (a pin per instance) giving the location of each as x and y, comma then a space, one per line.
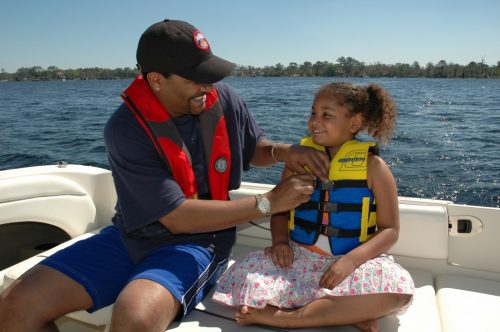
440, 69
415, 69
429, 70
292, 69
306, 69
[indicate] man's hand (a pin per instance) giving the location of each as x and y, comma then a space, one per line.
291, 192
300, 157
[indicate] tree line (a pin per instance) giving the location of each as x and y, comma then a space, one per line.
343, 67
350, 67
52, 73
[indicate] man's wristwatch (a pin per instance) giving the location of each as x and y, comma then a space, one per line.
263, 205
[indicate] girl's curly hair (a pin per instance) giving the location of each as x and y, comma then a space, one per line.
373, 102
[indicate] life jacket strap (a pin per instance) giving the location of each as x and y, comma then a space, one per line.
332, 185
374, 150
334, 207
337, 232
329, 230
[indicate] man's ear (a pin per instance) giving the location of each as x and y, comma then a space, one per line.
154, 80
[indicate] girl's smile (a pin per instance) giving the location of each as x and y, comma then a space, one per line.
330, 123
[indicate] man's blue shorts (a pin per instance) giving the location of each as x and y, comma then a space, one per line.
102, 265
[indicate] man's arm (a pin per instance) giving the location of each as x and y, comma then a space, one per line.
199, 216
296, 157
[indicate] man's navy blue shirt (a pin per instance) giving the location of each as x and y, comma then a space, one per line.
146, 189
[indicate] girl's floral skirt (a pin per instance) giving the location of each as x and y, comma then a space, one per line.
256, 282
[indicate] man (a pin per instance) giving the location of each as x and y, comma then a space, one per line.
176, 146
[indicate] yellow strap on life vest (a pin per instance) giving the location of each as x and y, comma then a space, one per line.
368, 219
291, 219
372, 221
365, 215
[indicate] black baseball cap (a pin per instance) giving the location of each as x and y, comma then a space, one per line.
177, 47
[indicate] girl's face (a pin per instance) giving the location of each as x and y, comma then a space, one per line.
330, 124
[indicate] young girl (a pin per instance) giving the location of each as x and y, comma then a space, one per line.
327, 265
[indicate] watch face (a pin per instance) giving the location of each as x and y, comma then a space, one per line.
264, 205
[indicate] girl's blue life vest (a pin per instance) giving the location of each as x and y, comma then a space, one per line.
344, 208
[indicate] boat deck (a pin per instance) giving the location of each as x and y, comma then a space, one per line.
442, 302
456, 269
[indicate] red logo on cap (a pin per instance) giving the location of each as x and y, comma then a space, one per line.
200, 41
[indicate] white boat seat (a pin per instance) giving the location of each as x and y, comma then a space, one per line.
468, 303
58, 201
208, 313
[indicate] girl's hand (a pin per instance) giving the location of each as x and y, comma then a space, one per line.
281, 254
337, 272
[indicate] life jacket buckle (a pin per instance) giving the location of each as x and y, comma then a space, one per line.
318, 184
329, 231
329, 207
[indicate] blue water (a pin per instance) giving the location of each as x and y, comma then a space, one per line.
446, 145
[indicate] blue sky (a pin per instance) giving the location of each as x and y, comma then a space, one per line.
104, 33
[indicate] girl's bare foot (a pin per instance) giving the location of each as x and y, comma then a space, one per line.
268, 315
242, 315
368, 326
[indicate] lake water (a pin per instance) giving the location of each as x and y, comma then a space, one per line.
446, 145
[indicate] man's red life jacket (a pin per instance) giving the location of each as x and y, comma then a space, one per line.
162, 131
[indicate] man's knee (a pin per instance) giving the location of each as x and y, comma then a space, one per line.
14, 306
141, 314
40, 296
12, 299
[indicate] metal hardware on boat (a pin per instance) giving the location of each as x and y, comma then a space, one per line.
62, 164
464, 226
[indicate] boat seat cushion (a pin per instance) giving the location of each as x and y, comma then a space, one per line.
208, 313
468, 303
423, 305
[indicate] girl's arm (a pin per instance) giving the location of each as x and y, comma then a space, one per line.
281, 252
382, 184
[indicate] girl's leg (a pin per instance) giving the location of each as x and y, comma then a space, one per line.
360, 310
